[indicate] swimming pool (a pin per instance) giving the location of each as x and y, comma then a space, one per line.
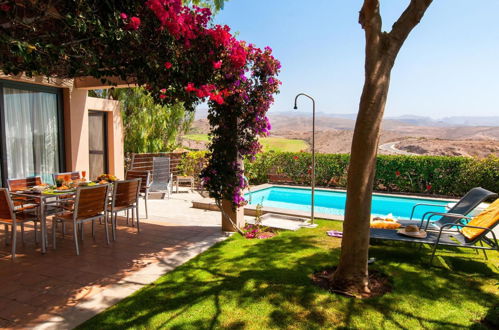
333, 202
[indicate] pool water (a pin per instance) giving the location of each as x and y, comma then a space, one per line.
333, 202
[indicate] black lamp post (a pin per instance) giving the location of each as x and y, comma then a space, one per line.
313, 147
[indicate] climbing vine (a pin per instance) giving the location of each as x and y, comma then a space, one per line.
172, 50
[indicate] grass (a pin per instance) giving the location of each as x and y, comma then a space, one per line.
283, 144
270, 143
265, 284
197, 137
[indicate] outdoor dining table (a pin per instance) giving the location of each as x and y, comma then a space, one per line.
42, 200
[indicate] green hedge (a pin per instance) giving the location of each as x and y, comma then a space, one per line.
440, 175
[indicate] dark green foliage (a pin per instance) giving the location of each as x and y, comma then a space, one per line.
441, 175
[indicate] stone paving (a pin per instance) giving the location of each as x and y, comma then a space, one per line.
60, 290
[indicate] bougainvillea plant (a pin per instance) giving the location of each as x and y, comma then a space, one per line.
171, 49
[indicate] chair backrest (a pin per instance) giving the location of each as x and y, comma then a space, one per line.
24, 183
91, 201
126, 192
62, 176
6, 206
467, 203
161, 174
145, 177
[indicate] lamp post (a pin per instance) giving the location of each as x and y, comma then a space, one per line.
313, 147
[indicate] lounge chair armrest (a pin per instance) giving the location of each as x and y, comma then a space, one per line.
450, 215
463, 225
423, 204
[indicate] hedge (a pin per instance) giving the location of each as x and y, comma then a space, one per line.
439, 175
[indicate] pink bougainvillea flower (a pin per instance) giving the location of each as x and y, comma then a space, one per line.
217, 98
217, 65
397, 173
168, 65
5, 7
133, 24
123, 16
162, 96
428, 187
163, 90
190, 87
295, 157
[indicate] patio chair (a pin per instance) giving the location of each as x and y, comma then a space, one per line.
464, 206
125, 197
90, 204
28, 205
459, 233
9, 216
162, 177
145, 183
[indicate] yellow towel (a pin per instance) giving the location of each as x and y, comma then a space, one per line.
487, 218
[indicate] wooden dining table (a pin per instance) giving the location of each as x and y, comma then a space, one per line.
42, 200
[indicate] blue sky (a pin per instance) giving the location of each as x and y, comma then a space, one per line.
449, 66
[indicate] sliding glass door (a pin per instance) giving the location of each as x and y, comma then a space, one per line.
31, 136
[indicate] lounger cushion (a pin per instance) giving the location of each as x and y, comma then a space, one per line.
487, 218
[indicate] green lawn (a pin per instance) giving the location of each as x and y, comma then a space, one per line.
265, 284
197, 137
270, 143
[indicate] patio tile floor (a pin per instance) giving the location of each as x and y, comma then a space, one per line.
61, 290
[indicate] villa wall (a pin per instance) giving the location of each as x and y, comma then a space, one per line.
76, 105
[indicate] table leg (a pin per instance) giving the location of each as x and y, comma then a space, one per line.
43, 225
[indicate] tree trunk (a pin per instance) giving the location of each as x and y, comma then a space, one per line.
382, 48
351, 275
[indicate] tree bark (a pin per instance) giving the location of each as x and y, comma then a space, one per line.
382, 48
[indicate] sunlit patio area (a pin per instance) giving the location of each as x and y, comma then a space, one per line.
60, 289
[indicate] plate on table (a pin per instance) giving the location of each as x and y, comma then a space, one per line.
55, 191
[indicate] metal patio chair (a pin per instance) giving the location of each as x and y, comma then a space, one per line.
9, 216
454, 234
464, 206
145, 183
125, 198
90, 204
162, 177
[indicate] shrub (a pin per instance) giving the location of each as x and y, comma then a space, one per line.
192, 163
442, 175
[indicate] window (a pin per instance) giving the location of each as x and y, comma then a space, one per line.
31, 120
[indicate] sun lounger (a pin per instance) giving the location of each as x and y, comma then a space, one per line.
464, 206
469, 235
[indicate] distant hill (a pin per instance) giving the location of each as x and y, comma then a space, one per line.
465, 136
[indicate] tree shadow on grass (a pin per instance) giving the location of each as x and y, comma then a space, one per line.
265, 284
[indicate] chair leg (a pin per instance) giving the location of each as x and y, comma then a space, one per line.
75, 230
113, 224
106, 229
22, 233
54, 229
433, 253
127, 217
14, 232
6, 230
138, 220
483, 250
145, 204
63, 229
133, 217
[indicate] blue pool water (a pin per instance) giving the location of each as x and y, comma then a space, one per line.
333, 202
